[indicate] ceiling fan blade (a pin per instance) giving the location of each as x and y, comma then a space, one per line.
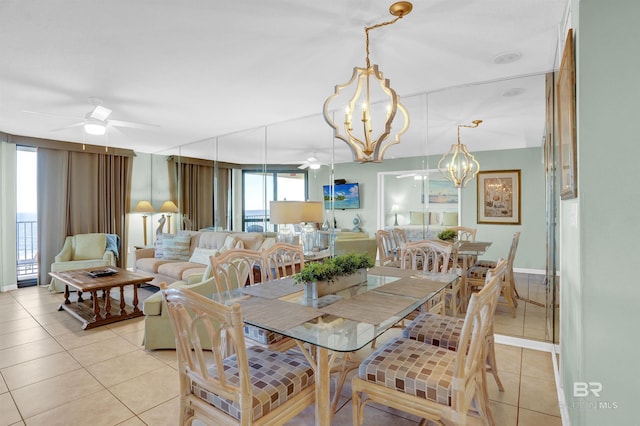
51, 114
67, 127
120, 123
304, 165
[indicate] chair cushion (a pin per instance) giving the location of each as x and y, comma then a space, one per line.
89, 246
275, 377
486, 263
478, 272
261, 336
412, 367
436, 330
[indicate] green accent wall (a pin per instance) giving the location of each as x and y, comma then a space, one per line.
531, 250
599, 229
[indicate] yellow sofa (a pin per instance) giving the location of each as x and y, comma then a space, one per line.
357, 242
79, 252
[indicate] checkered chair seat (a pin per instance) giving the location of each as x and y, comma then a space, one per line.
412, 367
261, 336
436, 330
478, 272
275, 377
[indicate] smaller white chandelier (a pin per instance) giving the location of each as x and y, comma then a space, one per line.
458, 165
370, 140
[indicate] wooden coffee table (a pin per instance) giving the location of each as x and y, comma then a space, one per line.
98, 310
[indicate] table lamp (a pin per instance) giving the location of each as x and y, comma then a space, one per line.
311, 215
144, 207
395, 209
169, 207
284, 213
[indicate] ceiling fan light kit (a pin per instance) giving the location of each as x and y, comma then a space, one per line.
95, 127
458, 165
369, 141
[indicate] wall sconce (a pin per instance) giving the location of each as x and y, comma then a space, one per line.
144, 207
168, 207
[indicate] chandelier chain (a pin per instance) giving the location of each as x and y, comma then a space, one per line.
373, 27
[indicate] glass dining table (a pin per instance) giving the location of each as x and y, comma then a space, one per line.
336, 323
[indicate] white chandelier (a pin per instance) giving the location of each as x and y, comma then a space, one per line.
458, 165
369, 141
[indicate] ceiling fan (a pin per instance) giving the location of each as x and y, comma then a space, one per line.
312, 163
96, 121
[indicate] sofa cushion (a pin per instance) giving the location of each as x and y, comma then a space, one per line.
176, 269
417, 218
199, 270
150, 264
201, 255
176, 248
229, 243
212, 240
159, 252
89, 246
250, 240
449, 218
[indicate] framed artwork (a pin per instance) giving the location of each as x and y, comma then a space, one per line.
566, 99
499, 197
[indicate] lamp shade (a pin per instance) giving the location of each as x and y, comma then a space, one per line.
395, 208
143, 206
311, 212
287, 212
168, 207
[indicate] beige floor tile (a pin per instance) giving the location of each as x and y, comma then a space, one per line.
81, 337
33, 334
509, 358
537, 364
53, 317
51, 393
124, 367
534, 334
102, 350
17, 325
148, 390
13, 312
42, 309
10, 413
133, 421
128, 326
511, 383
168, 356
136, 338
165, 414
82, 411
374, 415
504, 414
66, 325
533, 418
539, 395
28, 351
33, 371
509, 330
3, 386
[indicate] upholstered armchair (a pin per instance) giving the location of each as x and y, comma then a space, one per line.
84, 251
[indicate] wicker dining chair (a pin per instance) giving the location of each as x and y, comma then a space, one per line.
444, 331
222, 389
283, 260
387, 254
236, 268
476, 275
428, 381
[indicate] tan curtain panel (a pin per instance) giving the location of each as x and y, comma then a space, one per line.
193, 184
89, 192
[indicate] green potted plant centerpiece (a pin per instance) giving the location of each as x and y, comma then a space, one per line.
333, 274
447, 235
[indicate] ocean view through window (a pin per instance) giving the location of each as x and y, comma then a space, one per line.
27, 215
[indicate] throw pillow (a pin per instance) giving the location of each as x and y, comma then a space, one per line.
435, 218
201, 255
176, 248
229, 243
89, 246
417, 218
158, 245
450, 219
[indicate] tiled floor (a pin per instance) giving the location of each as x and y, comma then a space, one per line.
54, 373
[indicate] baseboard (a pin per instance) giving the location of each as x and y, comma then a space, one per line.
562, 403
529, 271
536, 345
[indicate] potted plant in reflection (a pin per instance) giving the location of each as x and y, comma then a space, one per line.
448, 235
333, 274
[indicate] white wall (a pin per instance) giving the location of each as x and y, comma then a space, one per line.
599, 229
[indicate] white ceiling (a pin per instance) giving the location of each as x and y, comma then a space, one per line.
205, 68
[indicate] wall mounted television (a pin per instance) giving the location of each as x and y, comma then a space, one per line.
347, 196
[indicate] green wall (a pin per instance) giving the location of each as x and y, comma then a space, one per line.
531, 250
599, 229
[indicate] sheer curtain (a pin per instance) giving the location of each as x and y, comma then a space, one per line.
81, 192
8, 279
